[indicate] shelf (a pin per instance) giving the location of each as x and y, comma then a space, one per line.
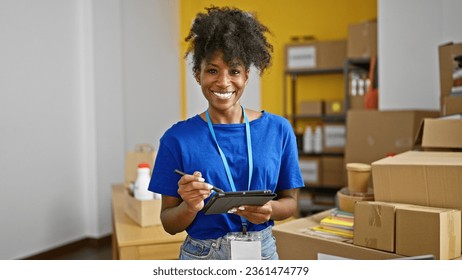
321, 189
326, 118
314, 71
323, 154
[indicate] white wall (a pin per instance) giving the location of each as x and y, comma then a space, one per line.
68, 100
151, 54
410, 32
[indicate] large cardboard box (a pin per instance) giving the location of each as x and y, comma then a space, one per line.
447, 52
426, 230
440, 133
373, 135
294, 243
315, 55
362, 39
421, 178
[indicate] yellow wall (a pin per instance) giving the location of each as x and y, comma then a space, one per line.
327, 19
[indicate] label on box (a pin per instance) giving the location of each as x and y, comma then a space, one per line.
310, 170
301, 57
335, 136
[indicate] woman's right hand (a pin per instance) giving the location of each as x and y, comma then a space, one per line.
193, 190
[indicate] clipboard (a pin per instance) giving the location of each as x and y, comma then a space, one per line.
222, 202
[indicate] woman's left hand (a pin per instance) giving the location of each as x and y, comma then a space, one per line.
254, 214
279, 209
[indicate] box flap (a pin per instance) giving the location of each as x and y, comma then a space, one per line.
444, 132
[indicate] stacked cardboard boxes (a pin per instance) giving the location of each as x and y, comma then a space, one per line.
430, 177
428, 182
450, 88
408, 230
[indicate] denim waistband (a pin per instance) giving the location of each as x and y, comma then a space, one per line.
265, 233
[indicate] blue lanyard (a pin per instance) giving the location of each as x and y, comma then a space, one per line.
223, 158
225, 161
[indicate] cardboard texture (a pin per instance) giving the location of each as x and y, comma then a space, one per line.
144, 212
362, 39
407, 229
311, 107
356, 102
315, 55
375, 225
293, 243
447, 52
442, 133
424, 230
421, 178
373, 135
451, 105
333, 171
141, 153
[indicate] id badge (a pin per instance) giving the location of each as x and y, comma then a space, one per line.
245, 246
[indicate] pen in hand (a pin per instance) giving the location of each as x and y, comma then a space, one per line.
182, 174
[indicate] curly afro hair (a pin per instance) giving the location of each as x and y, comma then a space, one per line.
235, 33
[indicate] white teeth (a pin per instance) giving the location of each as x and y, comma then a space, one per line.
223, 95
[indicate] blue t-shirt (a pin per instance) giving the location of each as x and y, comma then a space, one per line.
188, 146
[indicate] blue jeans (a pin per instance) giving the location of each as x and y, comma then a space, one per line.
220, 248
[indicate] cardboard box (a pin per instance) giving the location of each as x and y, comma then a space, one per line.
373, 135
333, 171
426, 230
311, 170
294, 243
441, 133
334, 137
421, 178
356, 102
447, 52
311, 107
362, 39
451, 105
144, 212
316, 55
334, 107
375, 225
141, 153
408, 230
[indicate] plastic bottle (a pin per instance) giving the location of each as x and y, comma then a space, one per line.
317, 143
142, 182
308, 140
